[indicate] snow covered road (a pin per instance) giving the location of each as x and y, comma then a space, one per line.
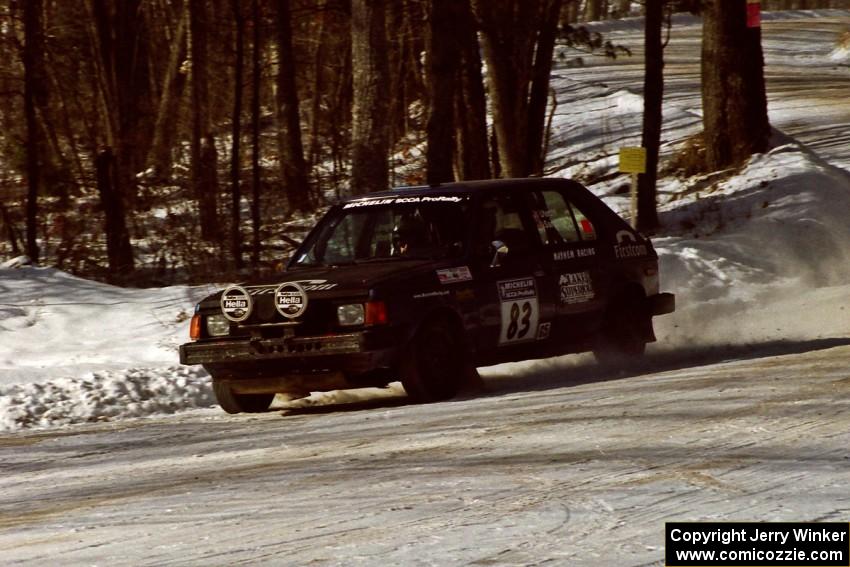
558, 462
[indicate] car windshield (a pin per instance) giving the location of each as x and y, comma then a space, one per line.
387, 230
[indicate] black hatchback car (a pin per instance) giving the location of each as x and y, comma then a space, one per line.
423, 284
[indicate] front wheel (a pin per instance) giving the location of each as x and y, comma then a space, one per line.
433, 365
232, 402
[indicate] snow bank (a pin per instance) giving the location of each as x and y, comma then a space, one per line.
744, 254
103, 396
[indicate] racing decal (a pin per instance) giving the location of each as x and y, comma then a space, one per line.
290, 299
543, 331
562, 255
430, 294
308, 285
236, 303
453, 275
576, 288
628, 247
316, 285
402, 200
520, 310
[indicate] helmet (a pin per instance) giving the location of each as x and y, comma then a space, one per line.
409, 233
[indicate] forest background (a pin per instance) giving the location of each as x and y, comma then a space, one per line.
152, 142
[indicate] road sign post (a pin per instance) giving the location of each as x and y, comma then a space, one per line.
633, 160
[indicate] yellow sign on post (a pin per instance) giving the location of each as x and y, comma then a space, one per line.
633, 160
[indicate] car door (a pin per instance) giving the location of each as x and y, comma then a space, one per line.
573, 261
514, 309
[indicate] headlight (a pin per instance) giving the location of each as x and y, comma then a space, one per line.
350, 315
217, 325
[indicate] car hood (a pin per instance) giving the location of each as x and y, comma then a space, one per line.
351, 280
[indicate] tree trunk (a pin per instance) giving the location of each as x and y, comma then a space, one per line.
118, 248
256, 221
314, 145
236, 135
203, 184
34, 92
471, 102
509, 34
10, 230
593, 10
442, 48
293, 168
733, 93
169, 103
370, 70
118, 42
540, 86
653, 94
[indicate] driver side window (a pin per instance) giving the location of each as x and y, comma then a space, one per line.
501, 220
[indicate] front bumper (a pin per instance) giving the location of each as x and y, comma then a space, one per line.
352, 354
661, 303
245, 350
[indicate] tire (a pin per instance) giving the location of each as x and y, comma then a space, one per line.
624, 334
240, 403
433, 366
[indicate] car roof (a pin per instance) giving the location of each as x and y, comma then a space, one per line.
470, 187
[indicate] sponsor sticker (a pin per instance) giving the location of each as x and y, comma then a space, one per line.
453, 275
236, 303
430, 294
543, 331
307, 285
520, 310
562, 255
576, 288
290, 299
628, 246
402, 200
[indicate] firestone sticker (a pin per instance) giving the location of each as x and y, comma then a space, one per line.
290, 300
453, 275
236, 303
628, 247
576, 288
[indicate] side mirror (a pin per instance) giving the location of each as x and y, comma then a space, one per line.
500, 250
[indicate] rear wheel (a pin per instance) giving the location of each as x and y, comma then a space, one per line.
624, 336
232, 402
432, 368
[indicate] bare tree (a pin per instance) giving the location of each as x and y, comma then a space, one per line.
539, 96
34, 93
442, 49
290, 148
370, 130
512, 32
236, 135
733, 91
256, 71
204, 179
653, 94
472, 145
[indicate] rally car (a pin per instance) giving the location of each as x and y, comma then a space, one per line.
423, 284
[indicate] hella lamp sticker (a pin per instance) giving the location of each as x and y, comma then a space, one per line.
236, 303
290, 300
